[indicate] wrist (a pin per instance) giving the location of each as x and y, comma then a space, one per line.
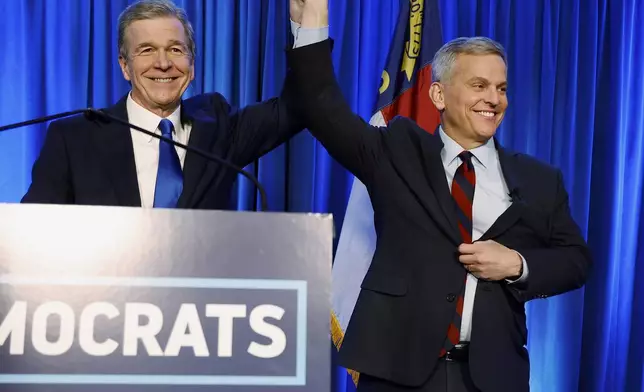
517, 267
314, 19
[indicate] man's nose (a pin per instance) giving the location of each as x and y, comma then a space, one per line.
163, 61
493, 97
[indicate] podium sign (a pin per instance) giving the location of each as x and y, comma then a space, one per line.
130, 299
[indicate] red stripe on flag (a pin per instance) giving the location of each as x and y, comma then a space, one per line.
415, 103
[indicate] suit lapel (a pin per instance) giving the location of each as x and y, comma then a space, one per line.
511, 215
196, 171
437, 198
114, 143
430, 184
435, 172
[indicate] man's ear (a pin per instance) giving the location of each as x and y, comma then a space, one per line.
437, 96
124, 70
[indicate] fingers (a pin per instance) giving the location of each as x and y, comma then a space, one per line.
479, 258
470, 263
474, 247
468, 259
467, 248
472, 258
474, 269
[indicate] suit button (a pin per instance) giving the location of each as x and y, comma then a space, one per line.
451, 297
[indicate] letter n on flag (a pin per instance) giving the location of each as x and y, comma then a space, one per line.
404, 91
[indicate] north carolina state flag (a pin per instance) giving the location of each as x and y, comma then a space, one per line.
408, 75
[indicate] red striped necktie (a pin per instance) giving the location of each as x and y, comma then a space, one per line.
463, 193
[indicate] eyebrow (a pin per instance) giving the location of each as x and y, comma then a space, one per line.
172, 43
177, 42
142, 45
480, 79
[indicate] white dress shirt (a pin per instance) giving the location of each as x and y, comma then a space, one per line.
146, 148
490, 201
304, 36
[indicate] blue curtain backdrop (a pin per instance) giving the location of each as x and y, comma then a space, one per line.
576, 90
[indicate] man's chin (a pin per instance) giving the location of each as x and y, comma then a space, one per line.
166, 103
486, 133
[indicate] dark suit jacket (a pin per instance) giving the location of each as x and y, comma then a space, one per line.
408, 294
91, 162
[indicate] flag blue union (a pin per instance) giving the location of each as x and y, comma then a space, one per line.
404, 91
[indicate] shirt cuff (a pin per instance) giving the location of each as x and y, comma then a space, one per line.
305, 37
524, 274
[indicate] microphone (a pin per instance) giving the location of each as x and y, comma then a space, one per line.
91, 114
39, 120
514, 194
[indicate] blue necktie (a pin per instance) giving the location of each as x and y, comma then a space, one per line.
169, 176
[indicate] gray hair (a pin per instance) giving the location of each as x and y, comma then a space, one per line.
445, 57
153, 9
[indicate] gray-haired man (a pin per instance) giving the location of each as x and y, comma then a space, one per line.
467, 231
89, 162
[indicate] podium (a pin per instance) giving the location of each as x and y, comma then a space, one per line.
119, 299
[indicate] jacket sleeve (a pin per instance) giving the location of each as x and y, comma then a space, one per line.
259, 128
350, 140
563, 265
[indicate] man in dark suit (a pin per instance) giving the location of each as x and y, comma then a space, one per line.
467, 231
86, 161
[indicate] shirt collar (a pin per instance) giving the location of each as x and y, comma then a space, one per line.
142, 117
451, 149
